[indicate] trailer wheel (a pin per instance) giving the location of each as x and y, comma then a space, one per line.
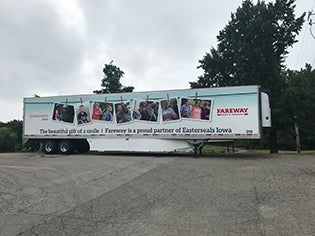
50, 147
65, 147
83, 146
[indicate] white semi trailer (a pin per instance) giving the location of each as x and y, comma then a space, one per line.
154, 121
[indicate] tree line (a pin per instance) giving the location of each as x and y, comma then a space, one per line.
11, 136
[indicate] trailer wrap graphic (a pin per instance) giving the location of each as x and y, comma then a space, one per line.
184, 114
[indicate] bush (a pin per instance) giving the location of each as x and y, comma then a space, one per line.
8, 140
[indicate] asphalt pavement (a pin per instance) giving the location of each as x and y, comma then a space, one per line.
98, 194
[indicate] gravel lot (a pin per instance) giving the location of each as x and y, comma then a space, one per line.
94, 194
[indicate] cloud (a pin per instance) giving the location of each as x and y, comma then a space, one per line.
153, 41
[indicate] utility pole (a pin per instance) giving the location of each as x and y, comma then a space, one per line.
297, 136
310, 21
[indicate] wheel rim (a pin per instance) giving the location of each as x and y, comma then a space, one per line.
64, 147
49, 147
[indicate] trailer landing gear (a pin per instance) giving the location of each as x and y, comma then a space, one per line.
198, 147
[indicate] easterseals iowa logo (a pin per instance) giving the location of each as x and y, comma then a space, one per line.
232, 111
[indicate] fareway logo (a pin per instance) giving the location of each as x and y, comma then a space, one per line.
232, 111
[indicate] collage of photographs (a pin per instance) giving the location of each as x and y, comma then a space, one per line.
166, 110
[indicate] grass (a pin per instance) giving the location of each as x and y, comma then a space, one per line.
210, 148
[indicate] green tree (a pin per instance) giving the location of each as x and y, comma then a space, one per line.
298, 106
251, 50
16, 126
11, 136
8, 140
111, 81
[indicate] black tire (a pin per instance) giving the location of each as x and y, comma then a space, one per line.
83, 146
50, 147
65, 147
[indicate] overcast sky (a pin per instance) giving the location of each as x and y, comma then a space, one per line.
59, 47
